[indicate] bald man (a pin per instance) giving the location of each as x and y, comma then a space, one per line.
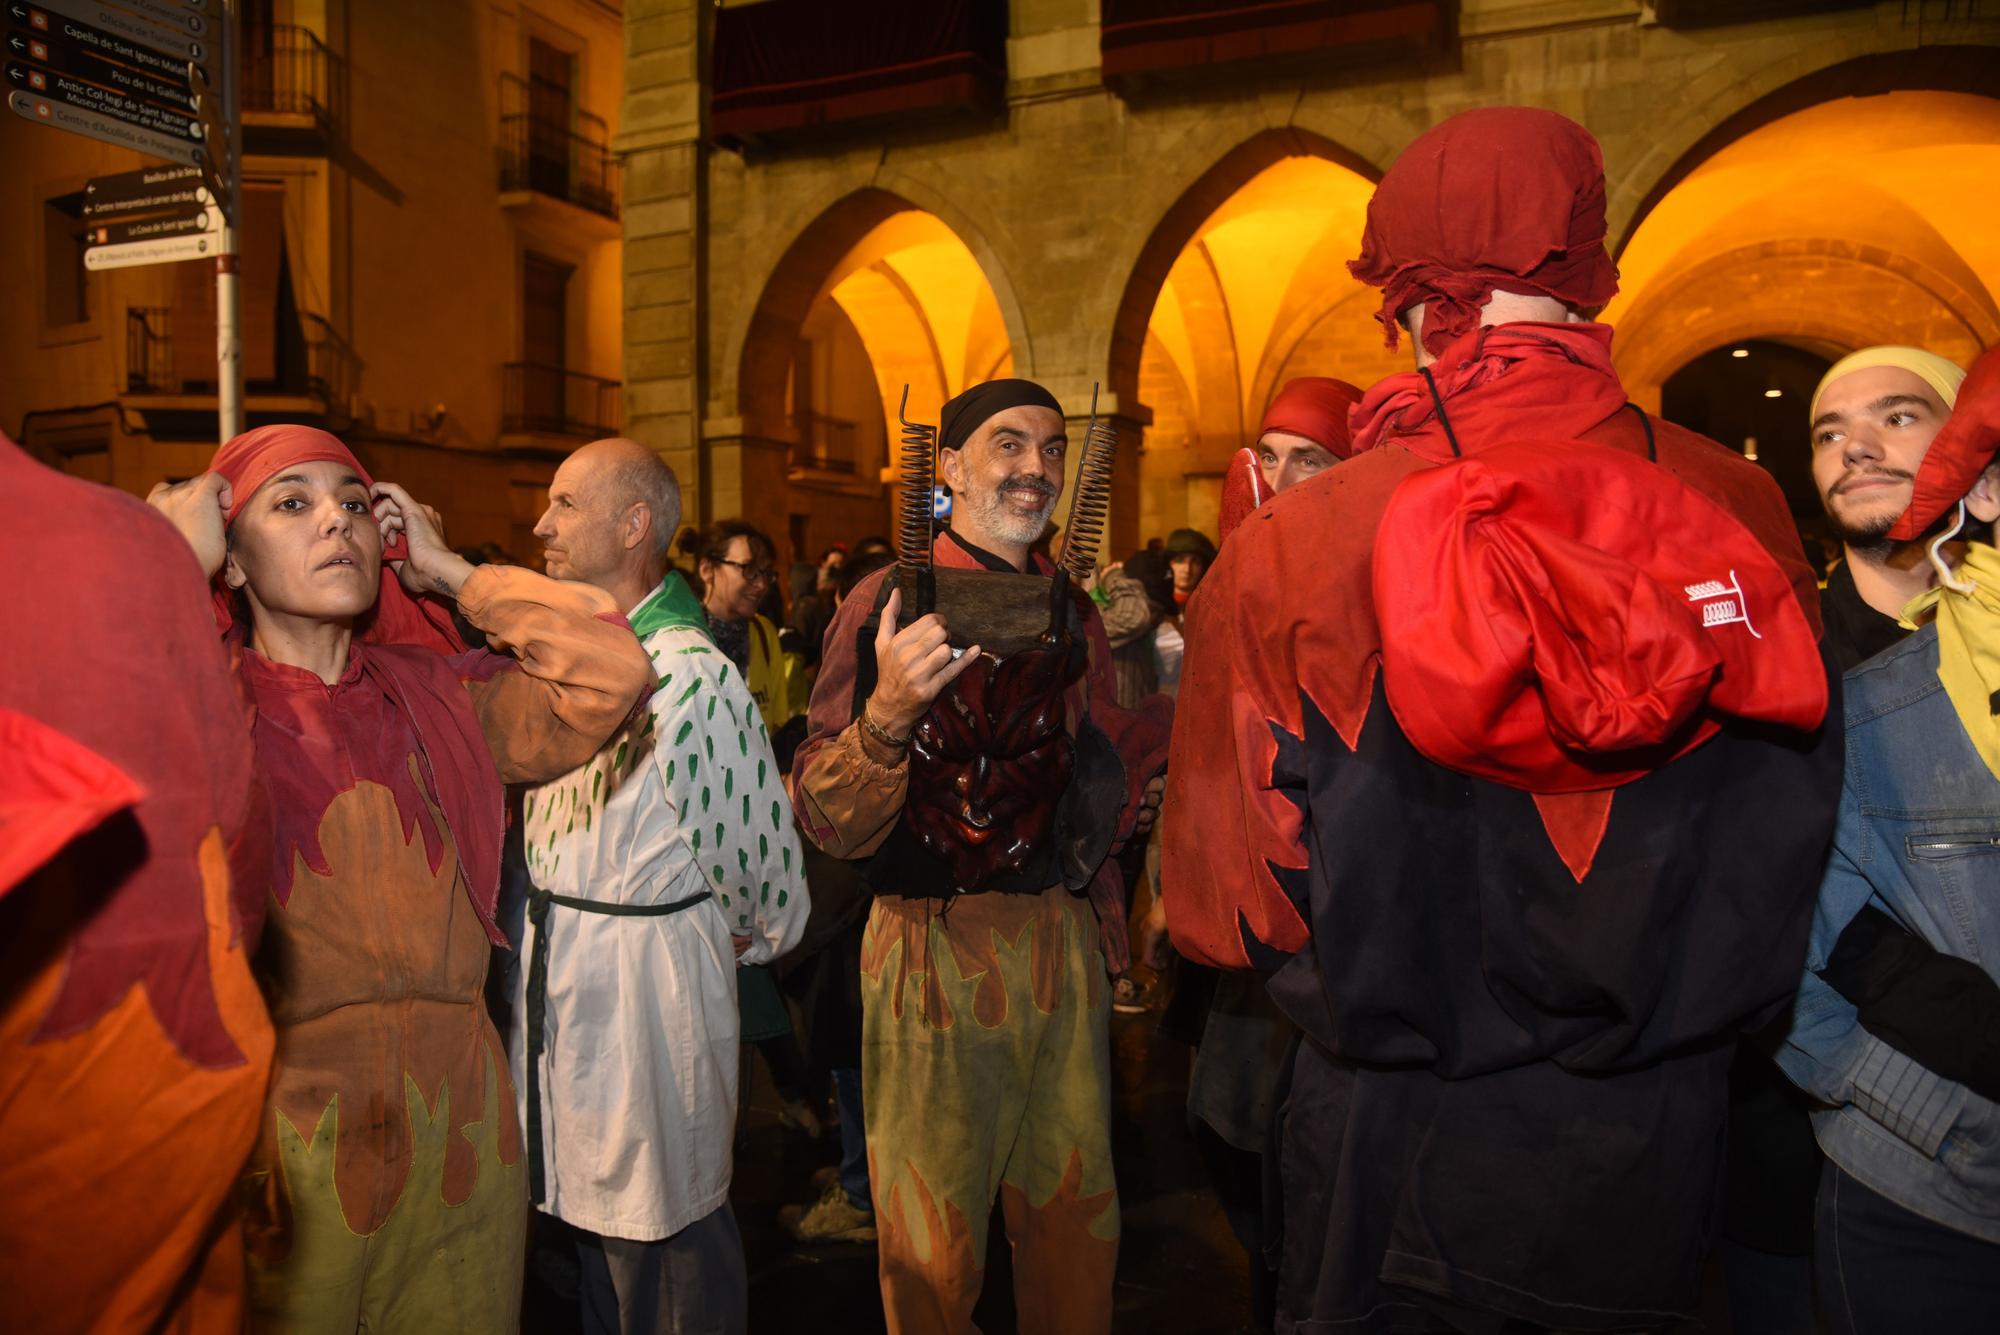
659, 868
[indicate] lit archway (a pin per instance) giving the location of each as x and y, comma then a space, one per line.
1243, 286
874, 295
1854, 221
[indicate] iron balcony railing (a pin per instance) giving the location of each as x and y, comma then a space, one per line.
287, 70
333, 371
149, 350
551, 401
540, 151
328, 371
826, 444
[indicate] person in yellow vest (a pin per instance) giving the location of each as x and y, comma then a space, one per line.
736, 566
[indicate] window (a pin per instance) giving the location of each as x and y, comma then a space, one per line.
551, 76
544, 340
67, 282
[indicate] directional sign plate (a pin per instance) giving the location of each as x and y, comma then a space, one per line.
77, 120
187, 37
153, 227
142, 190
165, 250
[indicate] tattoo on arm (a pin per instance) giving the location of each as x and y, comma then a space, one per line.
442, 585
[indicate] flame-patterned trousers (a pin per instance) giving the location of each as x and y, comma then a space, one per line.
986, 1067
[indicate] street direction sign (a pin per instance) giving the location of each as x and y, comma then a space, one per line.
154, 51
88, 96
183, 222
185, 30
144, 191
97, 125
58, 54
165, 250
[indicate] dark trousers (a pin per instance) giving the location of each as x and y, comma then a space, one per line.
1884, 1270
692, 1283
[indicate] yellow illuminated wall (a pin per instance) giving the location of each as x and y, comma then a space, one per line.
1259, 295
1857, 221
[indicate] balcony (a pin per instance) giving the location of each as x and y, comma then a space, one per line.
1168, 46
317, 371
541, 156
826, 445
289, 82
801, 70
543, 402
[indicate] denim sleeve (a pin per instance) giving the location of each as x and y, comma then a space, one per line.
1823, 1048
1827, 1053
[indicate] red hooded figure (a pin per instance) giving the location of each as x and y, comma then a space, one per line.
1485, 783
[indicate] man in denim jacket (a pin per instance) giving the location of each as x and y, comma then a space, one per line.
1908, 1226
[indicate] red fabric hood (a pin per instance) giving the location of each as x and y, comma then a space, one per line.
1564, 617
1959, 452
1243, 490
1502, 197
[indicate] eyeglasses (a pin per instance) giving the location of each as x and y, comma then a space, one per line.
752, 573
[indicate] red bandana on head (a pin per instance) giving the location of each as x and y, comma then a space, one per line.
254, 458
1316, 407
1525, 214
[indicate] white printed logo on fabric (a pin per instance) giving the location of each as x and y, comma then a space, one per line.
1722, 604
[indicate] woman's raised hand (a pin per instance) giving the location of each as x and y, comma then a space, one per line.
430, 565
197, 507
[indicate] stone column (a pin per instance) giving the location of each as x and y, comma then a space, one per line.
746, 476
660, 143
1129, 422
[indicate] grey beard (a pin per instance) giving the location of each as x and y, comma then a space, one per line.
994, 514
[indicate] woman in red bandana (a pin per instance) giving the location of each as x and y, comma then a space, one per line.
388, 1185
1519, 786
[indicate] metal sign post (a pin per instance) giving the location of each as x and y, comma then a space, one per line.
136, 73
222, 129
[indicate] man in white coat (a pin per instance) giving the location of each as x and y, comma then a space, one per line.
658, 867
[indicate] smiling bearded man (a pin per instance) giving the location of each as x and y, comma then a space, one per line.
985, 1052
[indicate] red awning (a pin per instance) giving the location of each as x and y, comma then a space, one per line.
790, 65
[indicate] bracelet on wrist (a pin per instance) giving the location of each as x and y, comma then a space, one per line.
880, 733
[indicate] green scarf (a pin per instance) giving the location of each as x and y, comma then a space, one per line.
670, 605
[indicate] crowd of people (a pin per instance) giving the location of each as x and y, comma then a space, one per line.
1564, 893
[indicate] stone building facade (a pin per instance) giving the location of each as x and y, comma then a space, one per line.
1084, 204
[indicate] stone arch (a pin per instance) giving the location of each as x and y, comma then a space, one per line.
1183, 220
1769, 93
800, 276
1894, 292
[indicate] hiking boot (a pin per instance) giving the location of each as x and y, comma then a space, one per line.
832, 1218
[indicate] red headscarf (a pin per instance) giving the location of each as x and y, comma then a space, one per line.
1316, 407
254, 458
1504, 197
1960, 451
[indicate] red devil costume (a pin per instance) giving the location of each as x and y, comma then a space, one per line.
389, 1182
1486, 782
134, 1048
